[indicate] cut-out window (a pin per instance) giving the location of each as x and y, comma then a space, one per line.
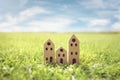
58, 55
63, 55
76, 53
46, 58
73, 40
46, 48
51, 49
48, 43
61, 50
75, 44
71, 44
71, 53
51, 59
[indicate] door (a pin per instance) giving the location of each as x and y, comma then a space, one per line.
61, 60
73, 61
51, 59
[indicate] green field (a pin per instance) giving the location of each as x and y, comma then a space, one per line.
21, 57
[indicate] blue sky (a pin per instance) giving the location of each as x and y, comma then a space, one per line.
59, 15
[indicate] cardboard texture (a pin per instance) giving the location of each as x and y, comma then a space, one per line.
61, 56
49, 51
73, 50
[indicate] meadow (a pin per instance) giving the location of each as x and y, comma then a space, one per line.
21, 57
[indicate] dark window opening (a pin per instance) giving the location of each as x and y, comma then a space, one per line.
71, 44
46, 48
58, 55
51, 59
48, 43
73, 40
76, 44
63, 55
73, 61
51, 49
61, 50
46, 58
61, 60
76, 53
71, 53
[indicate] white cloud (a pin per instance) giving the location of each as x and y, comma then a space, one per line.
0, 18
117, 15
51, 24
65, 7
109, 9
31, 12
10, 20
100, 4
116, 26
11, 28
92, 4
25, 14
23, 2
92, 22
98, 22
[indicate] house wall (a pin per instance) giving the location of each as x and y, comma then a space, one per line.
61, 53
49, 51
73, 50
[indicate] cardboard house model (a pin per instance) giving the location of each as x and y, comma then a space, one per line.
49, 51
62, 57
73, 50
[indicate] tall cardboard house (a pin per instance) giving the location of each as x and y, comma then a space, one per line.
73, 51
49, 51
61, 56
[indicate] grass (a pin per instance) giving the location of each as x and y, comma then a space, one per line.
21, 57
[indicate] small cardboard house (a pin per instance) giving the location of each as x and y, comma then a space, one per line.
73, 53
61, 56
49, 51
